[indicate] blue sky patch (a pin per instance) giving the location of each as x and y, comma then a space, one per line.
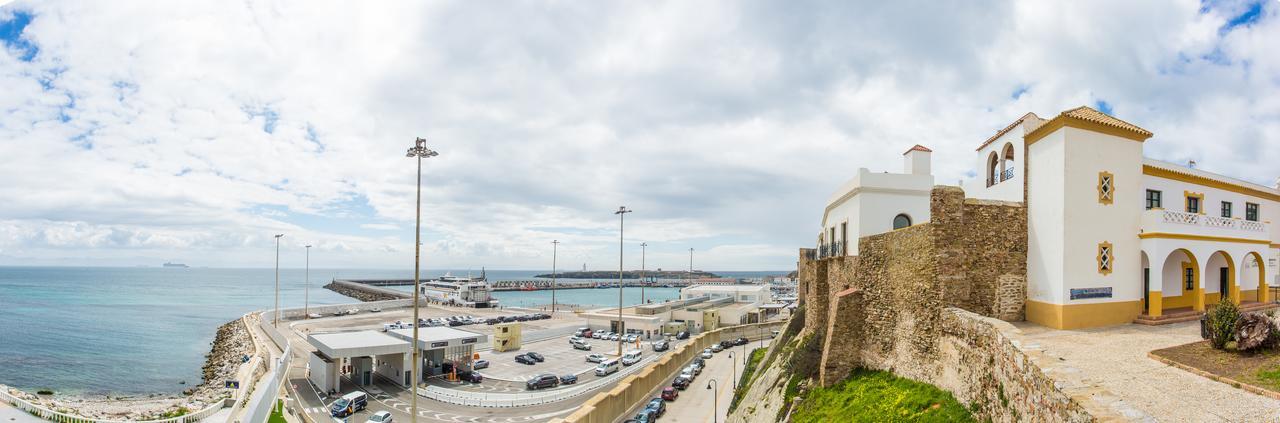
1103, 106
1019, 91
269, 117
11, 35
1250, 16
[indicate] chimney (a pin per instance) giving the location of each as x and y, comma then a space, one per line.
916, 160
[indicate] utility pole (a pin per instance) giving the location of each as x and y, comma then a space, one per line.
275, 320
642, 281
554, 245
306, 291
418, 151
622, 211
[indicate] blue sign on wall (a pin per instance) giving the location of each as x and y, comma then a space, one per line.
1084, 293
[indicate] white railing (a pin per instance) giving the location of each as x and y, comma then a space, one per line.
55, 416
482, 399
1219, 222
1250, 225
1171, 216
264, 398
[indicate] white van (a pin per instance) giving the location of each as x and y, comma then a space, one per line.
607, 367
631, 357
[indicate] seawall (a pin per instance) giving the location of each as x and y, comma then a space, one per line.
364, 292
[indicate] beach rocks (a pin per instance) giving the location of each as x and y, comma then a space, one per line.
363, 296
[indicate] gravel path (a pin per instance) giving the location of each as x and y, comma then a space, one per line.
1115, 358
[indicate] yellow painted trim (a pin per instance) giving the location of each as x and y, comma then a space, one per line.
1165, 235
1197, 293
1179, 301
1156, 303
1062, 121
1212, 183
1186, 201
1249, 295
1110, 255
1079, 316
1109, 197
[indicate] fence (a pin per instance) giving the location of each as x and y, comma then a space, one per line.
480, 399
55, 416
606, 407
264, 398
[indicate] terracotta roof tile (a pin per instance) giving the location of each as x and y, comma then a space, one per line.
1087, 113
1037, 121
918, 147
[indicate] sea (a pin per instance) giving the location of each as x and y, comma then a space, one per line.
145, 330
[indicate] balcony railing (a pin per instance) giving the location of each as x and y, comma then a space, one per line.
826, 251
1006, 175
1172, 221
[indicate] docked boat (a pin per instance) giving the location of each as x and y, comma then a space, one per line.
465, 291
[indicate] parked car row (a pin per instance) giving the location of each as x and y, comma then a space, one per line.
519, 318
611, 336
733, 343
548, 380
530, 358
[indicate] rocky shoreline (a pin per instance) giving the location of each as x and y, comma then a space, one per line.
363, 296
228, 349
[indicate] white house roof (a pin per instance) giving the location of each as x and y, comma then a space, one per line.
357, 344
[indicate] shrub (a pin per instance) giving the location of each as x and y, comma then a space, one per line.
878, 396
1255, 331
1220, 322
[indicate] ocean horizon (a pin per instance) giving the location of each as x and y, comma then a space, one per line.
134, 330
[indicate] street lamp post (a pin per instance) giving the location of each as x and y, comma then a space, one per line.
714, 387
418, 151
554, 245
691, 263
275, 314
734, 382
622, 212
642, 283
306, 290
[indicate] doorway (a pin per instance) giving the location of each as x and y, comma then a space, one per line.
1146, 290
1224, 285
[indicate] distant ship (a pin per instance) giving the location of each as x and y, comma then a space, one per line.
168, 264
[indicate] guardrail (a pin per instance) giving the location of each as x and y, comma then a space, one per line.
480, 399
55, 416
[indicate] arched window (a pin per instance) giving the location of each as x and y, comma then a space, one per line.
1006, 163
901, 221
992, 170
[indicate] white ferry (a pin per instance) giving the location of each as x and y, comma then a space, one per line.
465, 291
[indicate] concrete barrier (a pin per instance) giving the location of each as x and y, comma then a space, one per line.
608, 407
263, 399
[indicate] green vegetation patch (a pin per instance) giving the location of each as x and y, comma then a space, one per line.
744, 382
877, 396
277, 413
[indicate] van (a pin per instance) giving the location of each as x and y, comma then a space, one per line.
607, 367
349, 404
631, 357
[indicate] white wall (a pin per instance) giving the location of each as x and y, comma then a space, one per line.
1090, 222
1045, 217
870, 201
1010, 190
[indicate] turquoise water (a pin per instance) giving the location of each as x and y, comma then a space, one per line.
144, 330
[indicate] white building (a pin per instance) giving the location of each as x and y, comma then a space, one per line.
873, 203
1113, 236
749, 294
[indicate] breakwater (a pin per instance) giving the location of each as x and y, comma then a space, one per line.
364, 292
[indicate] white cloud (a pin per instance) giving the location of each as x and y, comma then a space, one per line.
139, 133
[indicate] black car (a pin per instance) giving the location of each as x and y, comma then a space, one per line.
543, 316
682, 335
524, 359
726, 344
741, 341
658, 406
536, 356
493, 321
681, 382
456, 323
568, 379
470, 376
508, 319
661, 346
700, 362
542, 381
522, 318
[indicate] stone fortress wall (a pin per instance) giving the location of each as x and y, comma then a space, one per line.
931, 302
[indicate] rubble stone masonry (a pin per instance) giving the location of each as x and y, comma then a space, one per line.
923, 302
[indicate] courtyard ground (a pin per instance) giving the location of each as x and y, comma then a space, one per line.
1260, 369
1116, 359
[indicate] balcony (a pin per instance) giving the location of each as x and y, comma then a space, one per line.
826, 251
1182, 223
1007, 174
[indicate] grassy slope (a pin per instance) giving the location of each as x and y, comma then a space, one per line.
876, 396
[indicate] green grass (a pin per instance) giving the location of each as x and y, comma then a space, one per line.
876, 396
744, 381
277, 413
1271, 377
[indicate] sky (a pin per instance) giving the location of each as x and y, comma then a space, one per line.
134, 133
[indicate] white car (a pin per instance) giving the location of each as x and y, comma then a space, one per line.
314, 316
687, 374
380, 417
613, 337
595, 358
352, 311
375, 310
706, 354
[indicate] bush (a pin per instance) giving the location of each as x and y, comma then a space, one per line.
1254, 331
1220, 322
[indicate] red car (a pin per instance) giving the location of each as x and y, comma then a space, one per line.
670, 394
